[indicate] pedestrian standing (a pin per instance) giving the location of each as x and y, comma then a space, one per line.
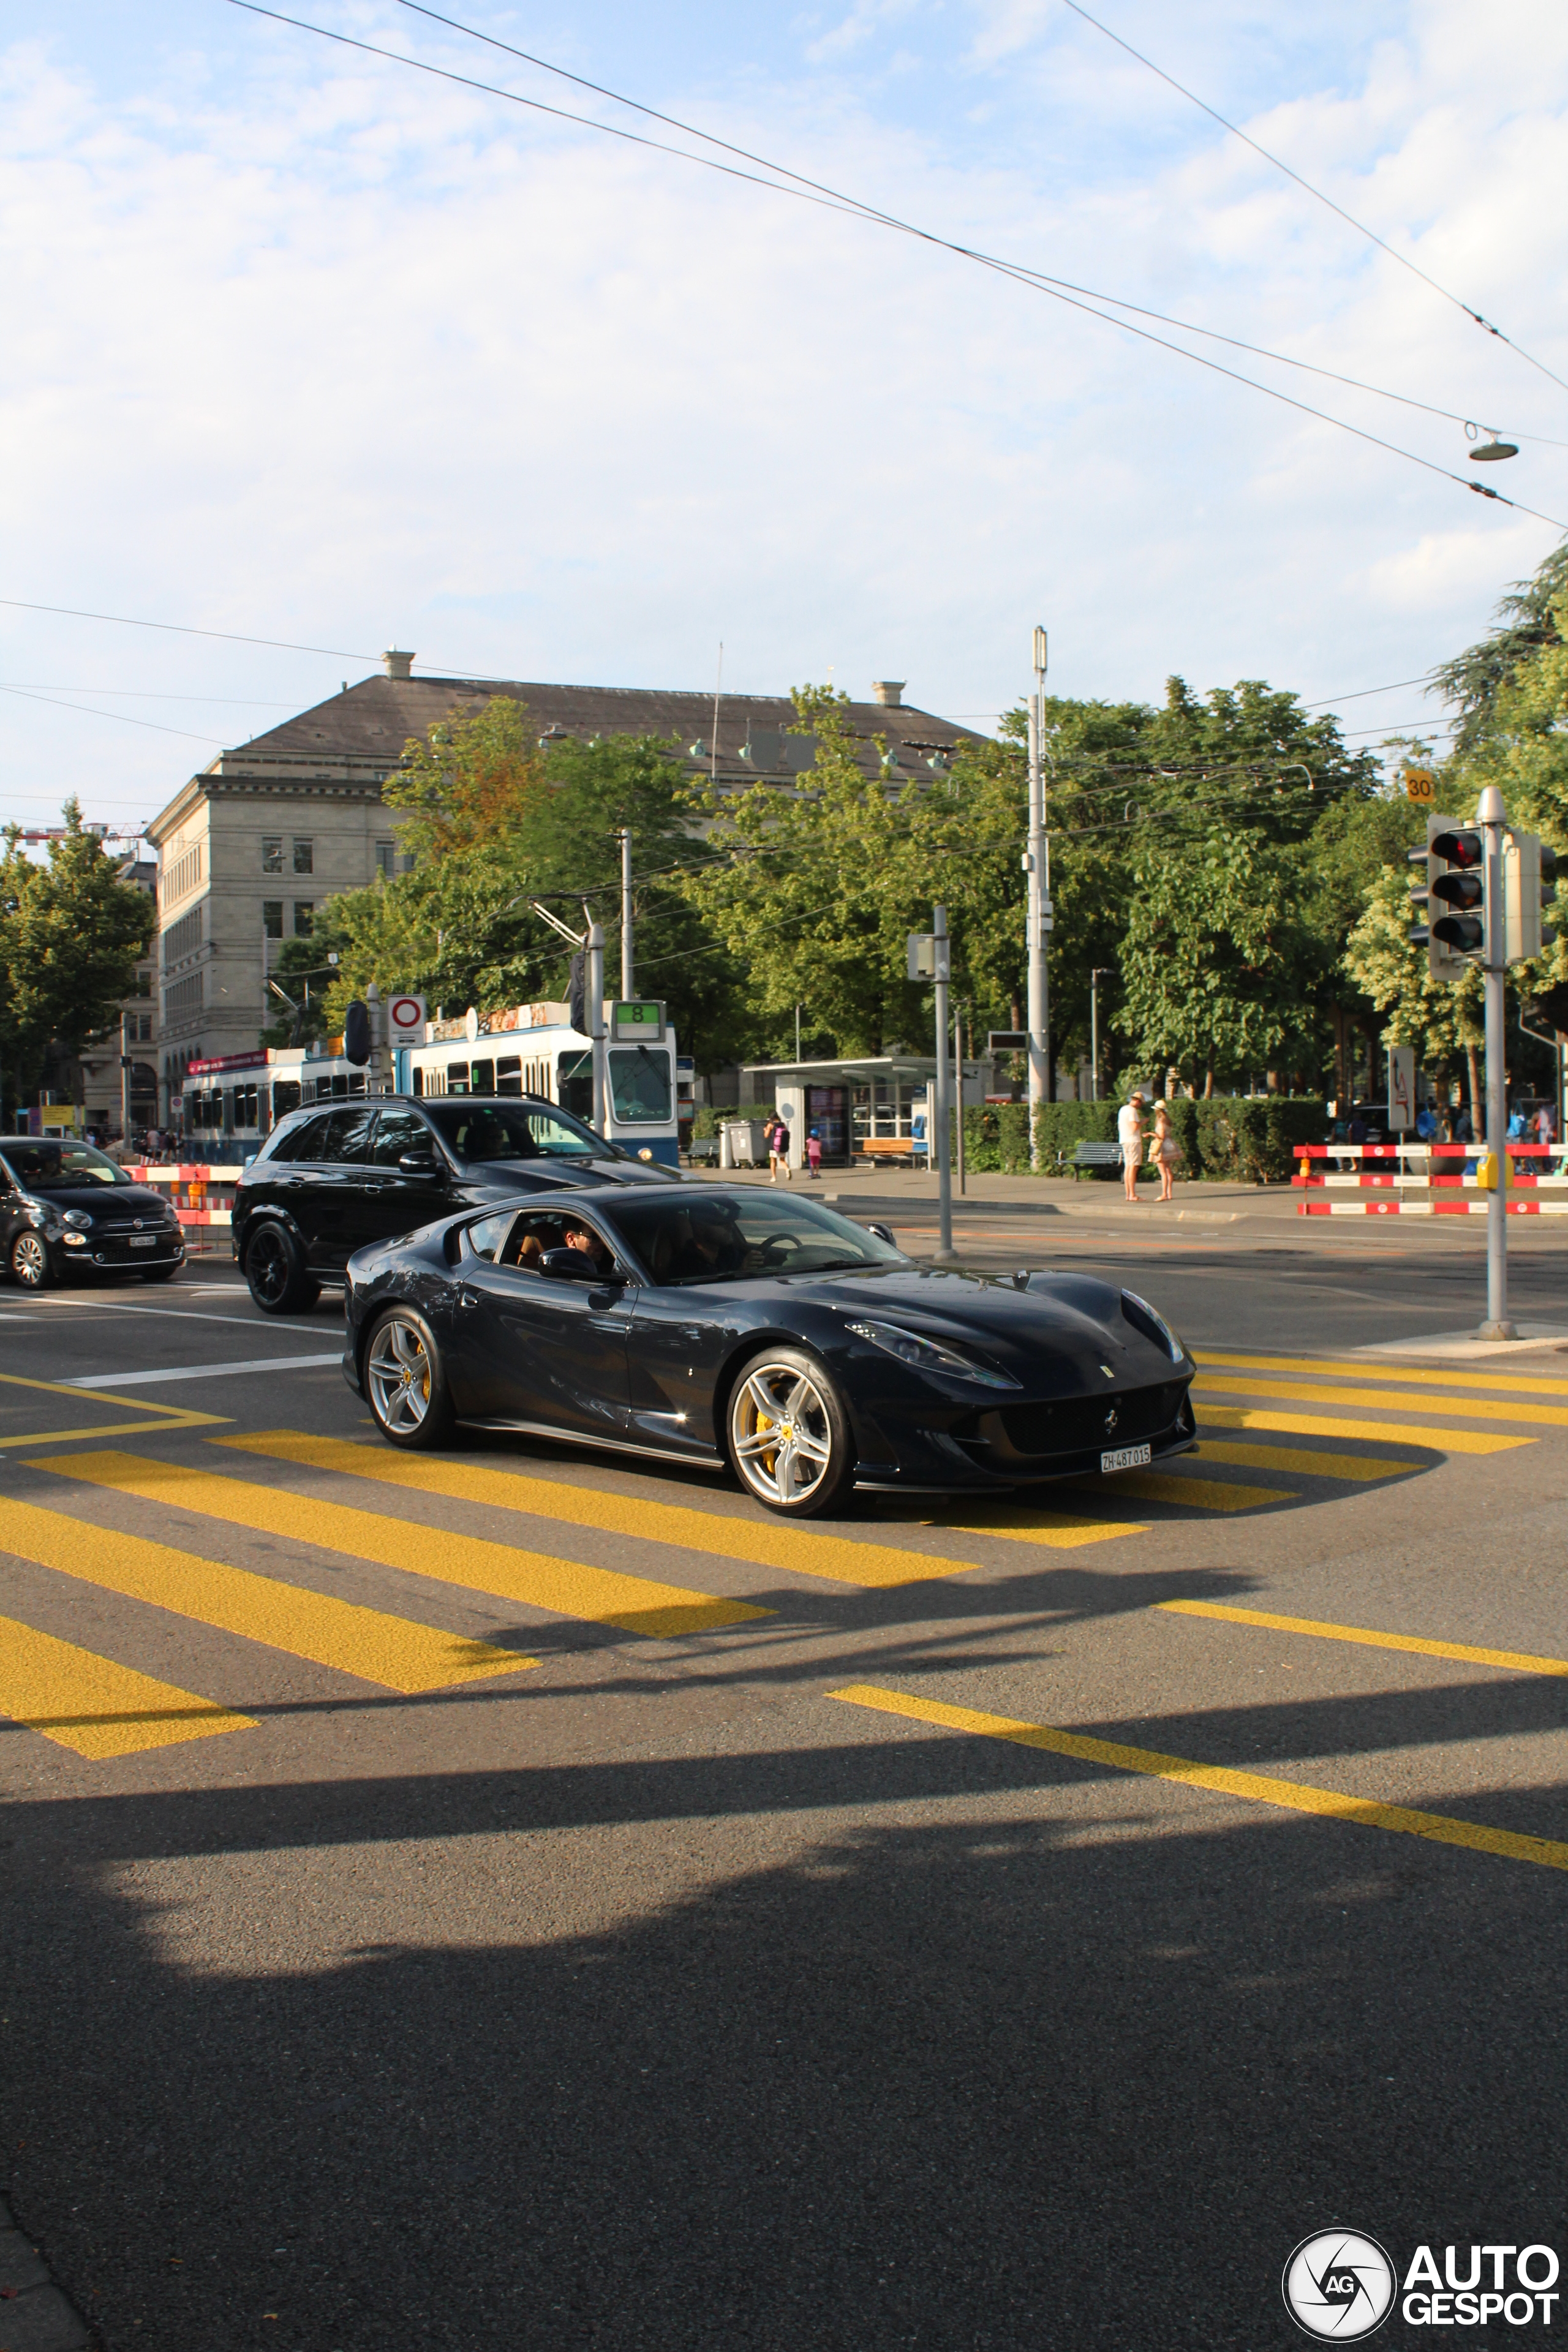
813, 1152
1130, 1135
1164, 1151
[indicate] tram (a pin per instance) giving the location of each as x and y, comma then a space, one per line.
230, 1105
534, 1050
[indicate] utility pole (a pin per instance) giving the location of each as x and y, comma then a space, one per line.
941, 967
1100, 971
596, 1022
1038, 907
1492, 817
626, 990
127, 1038
958, 1088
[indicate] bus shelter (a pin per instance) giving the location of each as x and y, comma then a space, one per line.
878, 1099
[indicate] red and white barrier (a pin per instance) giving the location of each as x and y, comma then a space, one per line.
1429, 1179
201, 1195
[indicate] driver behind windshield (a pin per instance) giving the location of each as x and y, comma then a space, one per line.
45, 1164
584, 1240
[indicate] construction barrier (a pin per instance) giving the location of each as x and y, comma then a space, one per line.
1430, 1180
200, 1196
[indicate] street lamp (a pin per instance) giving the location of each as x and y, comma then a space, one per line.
1039, 905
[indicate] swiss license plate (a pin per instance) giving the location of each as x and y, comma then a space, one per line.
1128, 1457
143, 1241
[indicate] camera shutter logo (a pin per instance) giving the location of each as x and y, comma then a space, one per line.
1339, 2285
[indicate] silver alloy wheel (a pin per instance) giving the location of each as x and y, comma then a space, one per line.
400, 1375
30, 1261
781, 1432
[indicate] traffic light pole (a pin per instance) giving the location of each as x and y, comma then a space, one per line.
1491, 816
1035, 861
943, 1139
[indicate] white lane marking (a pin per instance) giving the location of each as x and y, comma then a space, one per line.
198, 1371
256, 1322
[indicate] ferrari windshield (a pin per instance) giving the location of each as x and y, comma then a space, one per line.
731, 1236
52, 1167
481, 1131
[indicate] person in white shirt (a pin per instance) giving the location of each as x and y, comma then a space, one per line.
1130, 1135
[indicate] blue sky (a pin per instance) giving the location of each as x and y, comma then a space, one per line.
304, 345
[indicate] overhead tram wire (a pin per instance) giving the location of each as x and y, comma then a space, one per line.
831, 200
1360, 227
1188, 325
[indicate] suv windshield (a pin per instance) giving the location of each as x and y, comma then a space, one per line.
50, 1167
514, 1130
731, 1236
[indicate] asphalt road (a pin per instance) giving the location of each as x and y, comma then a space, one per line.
510, 1899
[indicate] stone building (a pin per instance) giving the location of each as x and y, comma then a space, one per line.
250, 847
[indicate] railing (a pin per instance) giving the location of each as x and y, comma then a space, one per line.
1429, 1179
200, 1196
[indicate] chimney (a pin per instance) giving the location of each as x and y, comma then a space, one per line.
889, 691
402, 665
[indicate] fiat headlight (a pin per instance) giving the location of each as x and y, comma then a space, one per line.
931, 1355
79, 1220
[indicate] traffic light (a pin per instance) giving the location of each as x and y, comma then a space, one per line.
1454, 896
1529, 883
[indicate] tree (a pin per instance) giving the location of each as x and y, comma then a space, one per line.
493, 819
71, 934
1441, 1019
1532, 618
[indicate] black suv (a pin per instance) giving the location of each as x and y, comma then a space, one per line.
66, 1205
328, 1181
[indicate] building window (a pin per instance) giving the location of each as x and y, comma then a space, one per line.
272, 853
183, 938
143, 1028
304, 857
144, 981
304, 917
272, 918
385, 853
183, 999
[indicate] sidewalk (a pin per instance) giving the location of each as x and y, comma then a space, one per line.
990, 1194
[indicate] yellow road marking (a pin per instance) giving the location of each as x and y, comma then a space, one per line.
1393, 1432
602, 1596
1518, 1661
391, 1651
1197, 1493
1358, 1369
114, 1428
1301, 1461
88, 1703
1305, 1392
1256, 1788
768, 1543
165, 1416
1062, 1531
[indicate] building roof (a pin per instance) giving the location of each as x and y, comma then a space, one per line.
356, 738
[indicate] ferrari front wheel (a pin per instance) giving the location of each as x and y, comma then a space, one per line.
790, 1438
404, 1381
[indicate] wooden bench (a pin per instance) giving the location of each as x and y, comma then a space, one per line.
890, 1147
702, 1151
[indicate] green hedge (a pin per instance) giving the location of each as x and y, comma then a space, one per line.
1235, 1139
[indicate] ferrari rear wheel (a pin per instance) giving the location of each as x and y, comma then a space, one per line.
790, 1438
404, 1381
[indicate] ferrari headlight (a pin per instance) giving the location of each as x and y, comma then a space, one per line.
931, 1355
1153, 1326
79, 1219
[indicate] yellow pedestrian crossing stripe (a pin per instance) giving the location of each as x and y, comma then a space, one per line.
1197, 1493
88, 1703
1255, 1787
1359, 1369
391, 1651
1059, 1530
601, 1596
769, 1543
1518, 1661
1471, 1408
1392, 1433
1299, 1461
163, 1416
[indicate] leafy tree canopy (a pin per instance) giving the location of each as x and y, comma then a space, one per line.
71, 934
